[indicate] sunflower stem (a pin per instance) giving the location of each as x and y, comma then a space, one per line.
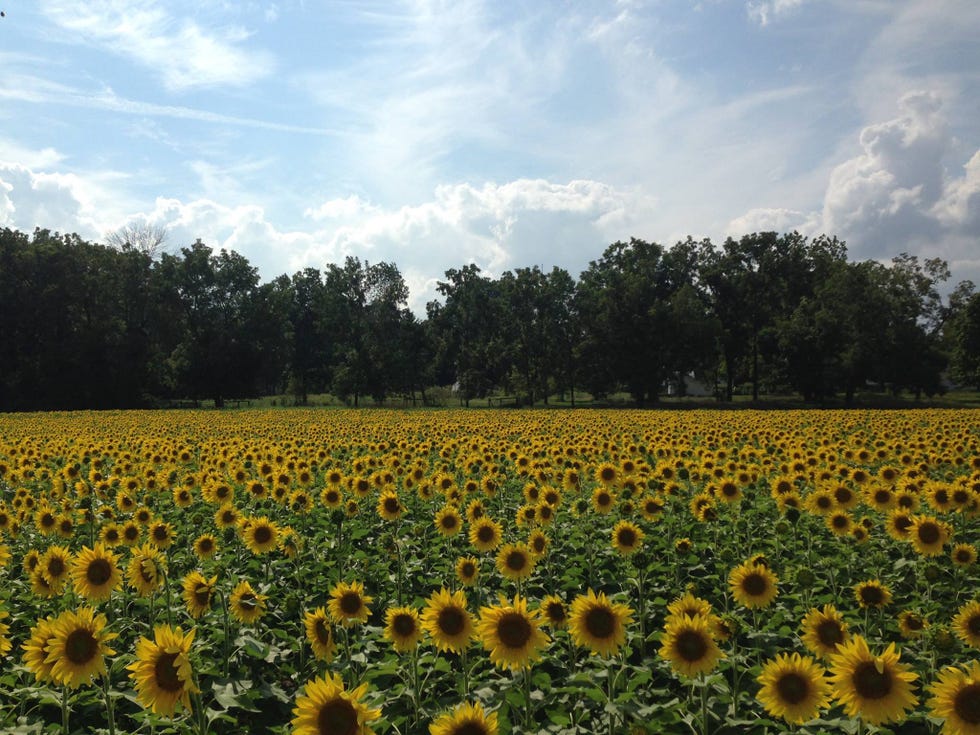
610, 692
704, 703
526, 682
166, 589
64, 710
110, 710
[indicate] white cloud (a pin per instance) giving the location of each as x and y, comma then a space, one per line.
64, 202
762, 219
178, 49
884, 195
959, 209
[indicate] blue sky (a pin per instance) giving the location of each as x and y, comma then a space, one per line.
507, 134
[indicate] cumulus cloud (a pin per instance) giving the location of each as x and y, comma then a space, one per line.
772, 219
178, 49
899, 194
58, 201
887, 193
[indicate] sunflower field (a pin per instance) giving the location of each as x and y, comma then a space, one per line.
471, 573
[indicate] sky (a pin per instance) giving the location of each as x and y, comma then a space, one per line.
505, 133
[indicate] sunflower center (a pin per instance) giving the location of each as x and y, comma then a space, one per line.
205, 546
555, 612
627, 537
166, 674
131, 533
691, 646
160, 533
914, 622
871, 595
793, 688
202, 595
391, 505
840, 521
755, 585
262, 535
81, 646
403, 625
966, 704
870, 683
516, 561
99, 572
486, 534
928, 533
321, 631
449, 521
882, 497
468, 570
973, 624
604, 499
600, 622
350, 603
451, 621
514, 630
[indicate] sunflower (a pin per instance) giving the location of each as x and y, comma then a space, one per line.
246, 604
327, 708
227, 516
447, 620
753, 585
876, 688
146, 569
794, 688
467, 570
332, 496
448, 521
911, 624
603, 500
652, 507
485, 534
537, 543
824, 631
348, 603
512, 633
77, 647
598, 624
95, 573
872, 593
683, 545
956, 699
966, 624
688, 606
36, 649
130, 533
627, 537
688, 645
110, 534
899, 524
319, 633
55, 567
515, 561
5, 644
198, 593
964, 555
389, 506
820, 502
161, 534
162, 672
928, 535
839, 523
465, 719
205, 546
554, 612
261, 535
403, 628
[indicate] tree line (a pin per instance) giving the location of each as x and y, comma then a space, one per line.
89, 325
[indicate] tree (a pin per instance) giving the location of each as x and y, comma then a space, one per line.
147, 238
964, 339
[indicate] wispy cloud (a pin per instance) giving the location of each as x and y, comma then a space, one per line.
180, 51
28, 88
